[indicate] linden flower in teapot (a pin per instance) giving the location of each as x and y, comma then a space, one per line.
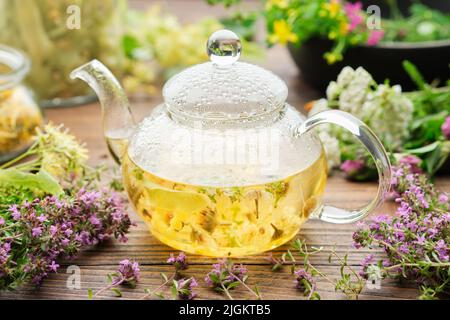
225, 167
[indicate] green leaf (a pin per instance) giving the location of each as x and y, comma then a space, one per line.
41, 182
290, 256
233, 285
436, 118
219, 289
174, 289
435, 256
159, 295
297, 244
214, 278
315, 296
414, 74
132, 283
277, 267
90, 294
434, 160
163, 276
129, 44
257, 291
117, 292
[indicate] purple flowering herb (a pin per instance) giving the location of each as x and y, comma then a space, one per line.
446, 128
350, 282
306, 284
415, 239
413, 162
443, 198
5, 249
15, 214
127, 273
276, 263
36, 232
179, 262
359, 169
55, 228
226, 275
352, 167
182, 289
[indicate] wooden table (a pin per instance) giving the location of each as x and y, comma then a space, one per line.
97, 262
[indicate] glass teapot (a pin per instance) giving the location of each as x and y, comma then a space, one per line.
225, 167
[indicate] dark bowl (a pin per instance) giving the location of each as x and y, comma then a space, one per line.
383, 61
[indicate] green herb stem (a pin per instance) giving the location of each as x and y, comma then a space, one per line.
245, 285
110, 286
225, 290
149, 294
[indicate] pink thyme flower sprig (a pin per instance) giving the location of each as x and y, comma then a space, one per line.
181, 287
226, 276
416, 240
350, 283
127, 273
54, 228
306, 283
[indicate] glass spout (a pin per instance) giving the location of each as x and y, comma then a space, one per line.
118, 122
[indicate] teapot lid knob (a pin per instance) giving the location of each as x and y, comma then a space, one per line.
224, 47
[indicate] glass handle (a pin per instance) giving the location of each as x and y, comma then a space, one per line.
373, 146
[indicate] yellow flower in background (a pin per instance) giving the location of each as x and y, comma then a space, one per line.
282, 33
343, 27
333, 7
332, 57
343, 30
282, 4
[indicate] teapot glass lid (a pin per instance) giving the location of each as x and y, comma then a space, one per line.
224, 89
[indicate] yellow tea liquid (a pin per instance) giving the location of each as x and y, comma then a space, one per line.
225, 221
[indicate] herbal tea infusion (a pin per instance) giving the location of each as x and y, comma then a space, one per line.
225, 221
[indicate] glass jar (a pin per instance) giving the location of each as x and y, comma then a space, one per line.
19, 113
60, 35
